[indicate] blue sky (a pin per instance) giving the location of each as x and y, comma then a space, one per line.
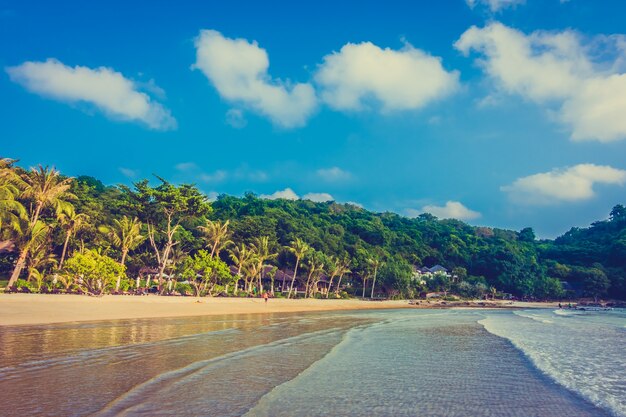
505, 113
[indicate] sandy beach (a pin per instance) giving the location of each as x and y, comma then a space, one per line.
21, 309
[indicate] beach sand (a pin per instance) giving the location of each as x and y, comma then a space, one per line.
22, 309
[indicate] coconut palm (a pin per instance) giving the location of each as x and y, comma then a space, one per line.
299, 248
33, 244
342, 270
315, 269
241, 256
71, 222
216, 235
262, 252
11, 210
333, 270
44, 187
125, 234
374, 264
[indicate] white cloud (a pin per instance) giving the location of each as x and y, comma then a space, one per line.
558, 70
212, 195
318, 197
236, 119
193, 170
334, 174
128, 173
405, 79
186, 166
239, 71
216, 176
570, 184
104, 88
495, 5
287, 194
451, 210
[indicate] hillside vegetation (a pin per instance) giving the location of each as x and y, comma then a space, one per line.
83, 230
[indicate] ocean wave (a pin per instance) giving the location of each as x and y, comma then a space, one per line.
573, 355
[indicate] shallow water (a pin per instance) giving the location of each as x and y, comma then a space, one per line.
408, 362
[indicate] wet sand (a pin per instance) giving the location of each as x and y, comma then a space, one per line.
21, 309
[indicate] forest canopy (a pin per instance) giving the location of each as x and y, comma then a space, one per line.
53, 226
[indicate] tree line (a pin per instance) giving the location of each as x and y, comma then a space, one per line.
79, 234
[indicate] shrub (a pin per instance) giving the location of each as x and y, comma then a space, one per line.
184, 288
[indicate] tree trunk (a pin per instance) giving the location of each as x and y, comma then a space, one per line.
295, 271
364, 281
19, 265
330, 285
374, 282
21, 261
338, 285
67, 241
119, 279
307, 290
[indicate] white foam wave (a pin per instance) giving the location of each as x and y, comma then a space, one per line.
572, 356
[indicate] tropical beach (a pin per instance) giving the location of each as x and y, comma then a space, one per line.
23, 309
355, 209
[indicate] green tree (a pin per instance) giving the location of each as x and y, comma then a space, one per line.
71, 222
11, 210
299, 248
263, 252
205, 272
125, 235
43, 187
374, 264
216, 235
93, 272
166, 206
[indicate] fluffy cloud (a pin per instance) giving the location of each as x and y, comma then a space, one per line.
318, 197
495, 5
238, 70
398, 80
287, 194
334, 174
558, 69
569, 184
451, 210
104, 88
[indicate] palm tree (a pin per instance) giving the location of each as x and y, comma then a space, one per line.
374, 264
11, 210
299, 248
262, 252
315, 269
333, 270
34, 245
364, 278
342, 270
216, 235
126, 235
72, 222
44, 187
241, 256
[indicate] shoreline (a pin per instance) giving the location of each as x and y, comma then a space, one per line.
31, 309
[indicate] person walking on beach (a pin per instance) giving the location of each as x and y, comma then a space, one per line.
265, 297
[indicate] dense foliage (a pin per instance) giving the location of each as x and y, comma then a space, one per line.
174, 231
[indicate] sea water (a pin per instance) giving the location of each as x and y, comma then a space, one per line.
388, 363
